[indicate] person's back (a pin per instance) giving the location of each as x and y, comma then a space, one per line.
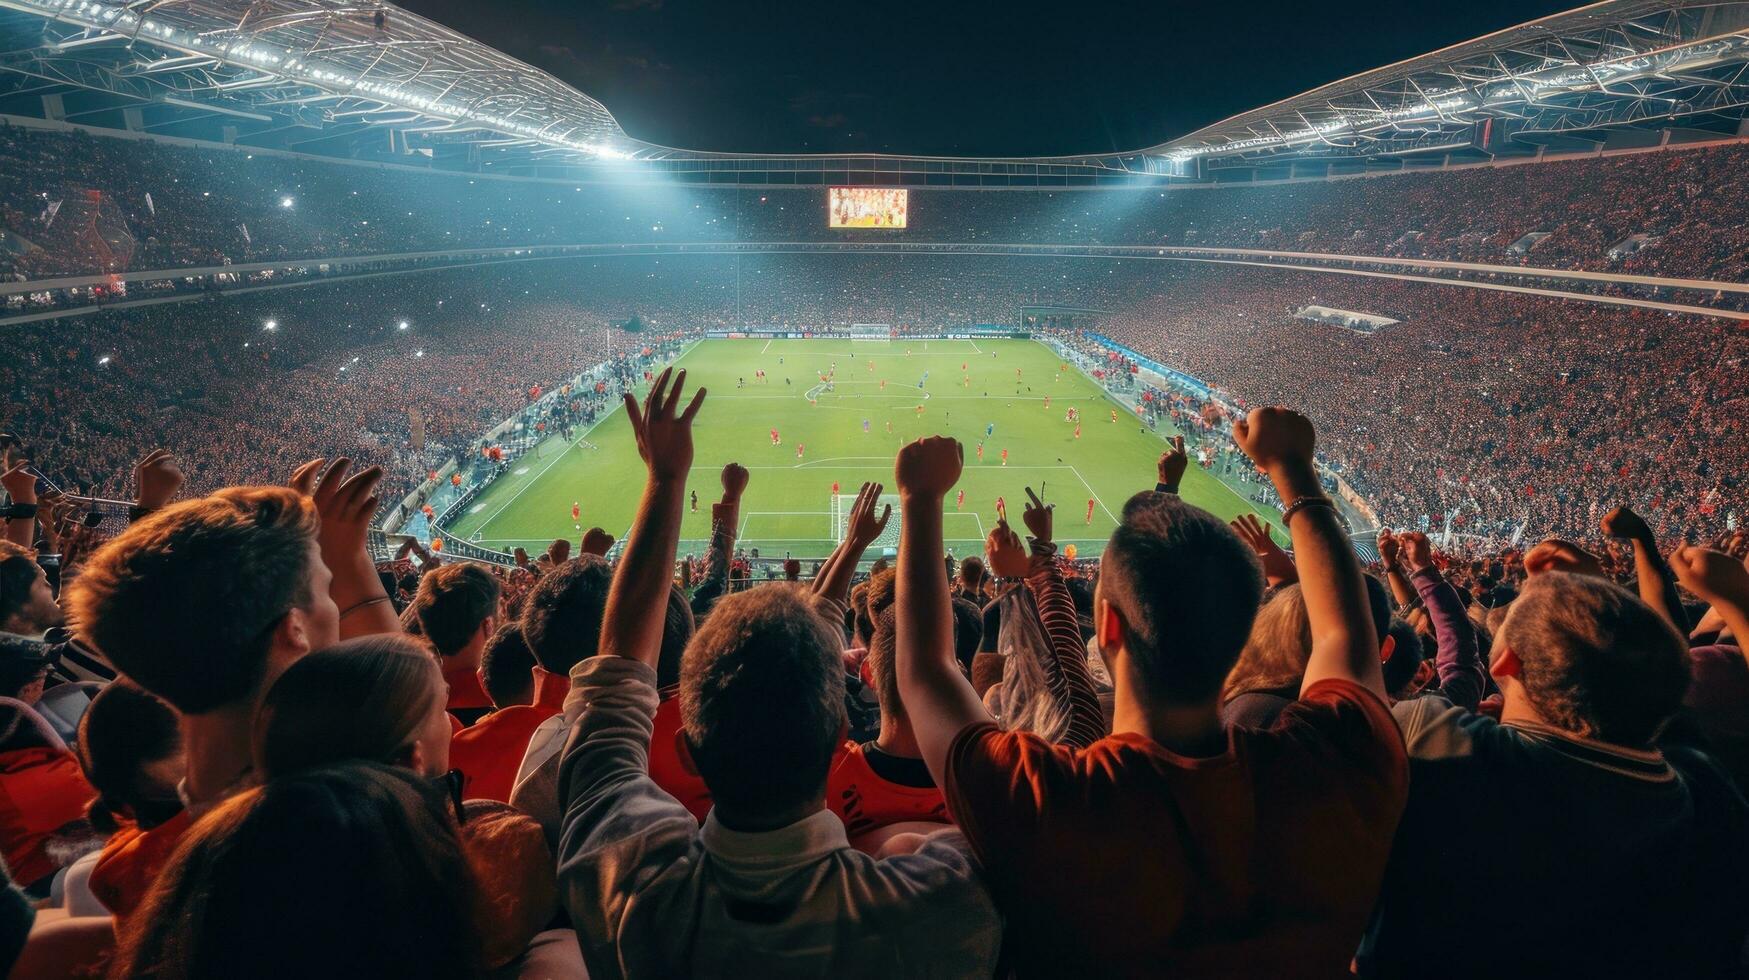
1173, 846
1559, 833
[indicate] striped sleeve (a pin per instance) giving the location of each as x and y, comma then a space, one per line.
1066, 673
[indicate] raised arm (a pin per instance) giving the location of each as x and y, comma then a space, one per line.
19, 481
641, 582
833, 580
725, 524
938, 699
1462, 676
346, 504
1170, 470
1344, 646
1656, 583
1066, 674
1720, 580
1390, 555
1278, 568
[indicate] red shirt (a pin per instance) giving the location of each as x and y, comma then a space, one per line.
41, 790
131, 861
1265, 859
468, 699
490, 751
666, 769
865, 801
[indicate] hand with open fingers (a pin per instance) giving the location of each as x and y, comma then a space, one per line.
1556, 555
734, 481
662, 428
347, 502
1038, 517
156, 479
1006, 555
865, 525
17, 478
1277, 566
1712, 575
1390, 547
1623, 523
597, 542
929, 467
1173, 463
1275, 437
1417, 551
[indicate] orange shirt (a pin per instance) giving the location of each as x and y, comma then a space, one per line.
866, 801
1149, 863
666, 768
131, 861
41, 790
490, 751
468, 699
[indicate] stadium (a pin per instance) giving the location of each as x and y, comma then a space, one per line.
1330, 483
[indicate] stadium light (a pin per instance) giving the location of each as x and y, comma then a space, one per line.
418, 353
102, 361
286, 202
402, 325
270, 325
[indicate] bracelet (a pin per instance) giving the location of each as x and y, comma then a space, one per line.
355, 607
1302, 503
1165, 488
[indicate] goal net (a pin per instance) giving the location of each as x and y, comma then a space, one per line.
844, 503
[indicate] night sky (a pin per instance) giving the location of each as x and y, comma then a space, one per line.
977, 79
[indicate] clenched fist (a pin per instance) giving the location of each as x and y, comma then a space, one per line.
929, 467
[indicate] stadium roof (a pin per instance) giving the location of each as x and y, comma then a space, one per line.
369, 79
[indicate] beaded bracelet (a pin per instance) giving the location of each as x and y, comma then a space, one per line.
1302, 503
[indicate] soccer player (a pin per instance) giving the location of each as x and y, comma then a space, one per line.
889, 427
865, 426
695, 501
959, 502
1004, 457
989, 430
1047, 402
1077, 430
1016, 374
980, 452
775, 441
1090, 510
576, 512
834, 488
1114, 415
799, 449
883, 384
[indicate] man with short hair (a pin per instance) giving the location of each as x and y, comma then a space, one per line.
27, 603
770, 885
1561, 831
507, 668
1173, 846
457, 607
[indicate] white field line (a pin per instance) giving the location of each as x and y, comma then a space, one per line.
766, 347
1095, 494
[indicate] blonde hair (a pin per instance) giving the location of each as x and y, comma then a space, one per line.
1275, 654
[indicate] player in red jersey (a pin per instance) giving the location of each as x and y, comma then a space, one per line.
774, 439
799, 449
1004, 457
1077, 430
980, 452
1090, 510
576, 513
834, 488
959, 502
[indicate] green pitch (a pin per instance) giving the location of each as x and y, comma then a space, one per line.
788, 507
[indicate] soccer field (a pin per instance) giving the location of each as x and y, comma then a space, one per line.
849, 433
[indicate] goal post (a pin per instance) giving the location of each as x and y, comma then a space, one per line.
844, 503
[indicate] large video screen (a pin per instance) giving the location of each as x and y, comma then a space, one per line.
867, 207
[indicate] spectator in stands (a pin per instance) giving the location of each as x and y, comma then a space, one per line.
358, 867
43, 793
457, 608
27, 603
761, 698
491, 752
1631, 855
1267, 678
374, 699
131, 749
1091, 852
507, 668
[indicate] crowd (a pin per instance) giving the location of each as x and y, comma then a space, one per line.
77, 203
234, 744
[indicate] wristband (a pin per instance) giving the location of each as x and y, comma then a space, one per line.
355, 607
136, 512
1165, 488
20, 512
1302, 503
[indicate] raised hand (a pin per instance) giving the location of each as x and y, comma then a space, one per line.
1556, 555
16, 477
1275, 437
1038, 517
597, 542
1417, 551
734, 481
1712, 575
1625, 524
1278, 568
156, 479
865, 526
1390, 547
929, 467
346, 504
663, 431
1006, 555
1173, 463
